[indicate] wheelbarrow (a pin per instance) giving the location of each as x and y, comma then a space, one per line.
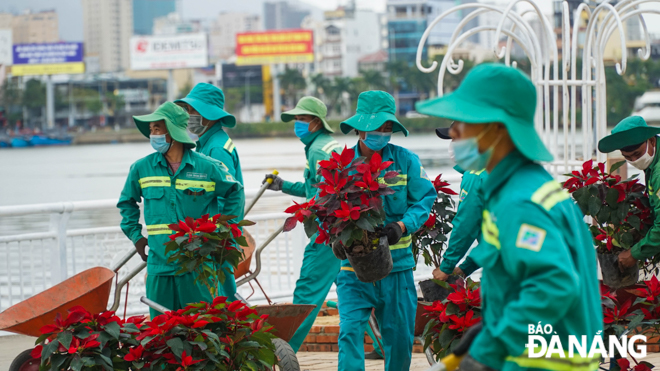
89, 289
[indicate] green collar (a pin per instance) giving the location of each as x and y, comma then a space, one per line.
309, 139
209, 133
459, 169
503, 171
649, 170
186, 159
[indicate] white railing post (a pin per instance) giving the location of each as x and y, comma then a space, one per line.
58, 226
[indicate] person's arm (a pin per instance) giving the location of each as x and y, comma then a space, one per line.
535, 254
227, 165
468, 266
230, 192
421, 195
649, 246
294, 188
467, 225
128, 206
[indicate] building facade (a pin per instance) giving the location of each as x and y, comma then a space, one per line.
223, 30
172, 24
283, 15
32, 28
107, 30
146, 11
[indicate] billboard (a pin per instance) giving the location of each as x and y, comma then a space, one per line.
48, 59
289, 46
169, 52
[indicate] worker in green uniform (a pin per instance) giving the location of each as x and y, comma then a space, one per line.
466, 222
319, 267
394, 298
538, 258
173, 183
205, 104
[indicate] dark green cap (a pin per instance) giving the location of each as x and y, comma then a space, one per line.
374, 108
176, 121
308, 106
209, 101
630, 131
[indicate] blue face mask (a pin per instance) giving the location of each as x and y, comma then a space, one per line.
160, 143
467, 155
376, 140
302, 129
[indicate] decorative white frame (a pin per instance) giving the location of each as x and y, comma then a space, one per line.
602, 21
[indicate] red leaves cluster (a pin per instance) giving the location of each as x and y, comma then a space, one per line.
195, 228
351, 190
442, 186
465, 305
624, 364
593, 174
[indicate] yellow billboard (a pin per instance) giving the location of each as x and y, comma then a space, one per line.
47, 69
289, 46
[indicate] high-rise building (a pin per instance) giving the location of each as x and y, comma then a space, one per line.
172, 24
107, 30
349, 34
32, 28
146, 11
408, 19
223, 30
282, 15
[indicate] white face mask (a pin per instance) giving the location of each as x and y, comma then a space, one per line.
451, 152
644, 161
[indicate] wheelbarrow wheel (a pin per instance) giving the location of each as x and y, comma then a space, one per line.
286, 357
25, 362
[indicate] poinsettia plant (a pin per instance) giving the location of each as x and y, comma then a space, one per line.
203, 336
431, 238
203, 245
619, 208
85, 341
452, 317
208, 336
348, 208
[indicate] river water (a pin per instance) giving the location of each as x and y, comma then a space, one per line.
94, 172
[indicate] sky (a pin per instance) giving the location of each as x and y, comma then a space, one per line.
70, 11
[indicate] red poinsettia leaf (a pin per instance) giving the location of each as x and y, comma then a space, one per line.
591, 181
290, 224
448, 191
347, 155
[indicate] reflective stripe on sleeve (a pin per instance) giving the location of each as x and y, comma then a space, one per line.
402, 244
330, 147
549, 195
229, 146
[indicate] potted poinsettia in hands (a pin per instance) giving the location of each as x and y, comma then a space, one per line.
431, 239
348, 212
203, 245
620, 212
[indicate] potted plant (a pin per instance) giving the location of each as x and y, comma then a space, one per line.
348, 212
451, 317
203, 245
431, 239
620, 213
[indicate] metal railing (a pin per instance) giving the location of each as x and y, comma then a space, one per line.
32, 262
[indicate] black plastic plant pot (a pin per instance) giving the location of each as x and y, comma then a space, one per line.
612, 276
431, 291
374, 266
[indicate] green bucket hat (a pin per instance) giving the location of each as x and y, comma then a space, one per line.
494, 93
176, 121
374, 108
630, 131
209, 101
308, 106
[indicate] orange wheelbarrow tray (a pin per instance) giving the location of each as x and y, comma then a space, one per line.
89, 289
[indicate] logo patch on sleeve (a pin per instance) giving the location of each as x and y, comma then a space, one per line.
230, 178
422, 173
464, 194
530, 237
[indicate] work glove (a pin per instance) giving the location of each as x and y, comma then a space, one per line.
470, 364
338, 250
140, 247
276, 185
393, 232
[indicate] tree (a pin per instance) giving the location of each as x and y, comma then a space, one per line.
115, 102
11, 99
292, 81
374, 79
185, 89
396, 70
322, 86
342, 88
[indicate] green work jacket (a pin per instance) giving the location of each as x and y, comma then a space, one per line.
650, 244
216, 144
200, 186
466, 223
539, 267
319, 146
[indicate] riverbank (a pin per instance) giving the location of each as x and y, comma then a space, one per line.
247, 131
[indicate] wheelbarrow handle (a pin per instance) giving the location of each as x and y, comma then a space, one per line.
120, 285
124, 259
153, 305
259, 193
257, 256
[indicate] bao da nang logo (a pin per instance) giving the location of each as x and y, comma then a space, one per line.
583, 346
